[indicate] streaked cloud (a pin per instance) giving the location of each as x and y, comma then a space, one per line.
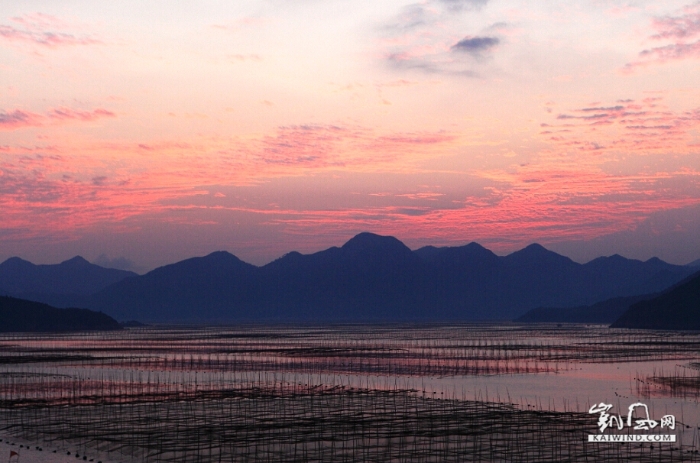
44, 30
645, 125
63, 114
16, 119
682, 30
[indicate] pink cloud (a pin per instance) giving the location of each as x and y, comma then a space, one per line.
685, 26
682, 30
72, 188
559, 196
305, 144
627, 125
559, 206
44, 30
16, 119
69, 114
47, 39
674, 51
39, 21
322, 146
575, 190
415, 139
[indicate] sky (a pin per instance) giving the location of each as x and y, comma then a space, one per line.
140, 133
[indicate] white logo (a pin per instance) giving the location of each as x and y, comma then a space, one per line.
644, 423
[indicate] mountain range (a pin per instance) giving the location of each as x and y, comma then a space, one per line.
369, 278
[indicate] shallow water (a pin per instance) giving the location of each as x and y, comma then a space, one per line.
548, 368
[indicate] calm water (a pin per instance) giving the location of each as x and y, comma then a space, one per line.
544, 368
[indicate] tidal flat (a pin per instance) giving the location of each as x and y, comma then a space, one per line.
345, 393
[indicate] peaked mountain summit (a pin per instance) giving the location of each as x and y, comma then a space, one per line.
194, 290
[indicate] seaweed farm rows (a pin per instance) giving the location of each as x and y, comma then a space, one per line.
340, 393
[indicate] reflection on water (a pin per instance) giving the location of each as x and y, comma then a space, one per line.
66, 389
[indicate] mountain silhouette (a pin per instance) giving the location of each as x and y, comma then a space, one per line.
370, 277
378, 278
191, 290
675, 309
19, 315
66, 284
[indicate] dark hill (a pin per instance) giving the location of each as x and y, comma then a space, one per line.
371, 277
633, 277
65, 284
677, 309
197, 289
378, 278
604, 312
19, 315
368, 245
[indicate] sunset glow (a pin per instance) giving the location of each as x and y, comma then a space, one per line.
148, 132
